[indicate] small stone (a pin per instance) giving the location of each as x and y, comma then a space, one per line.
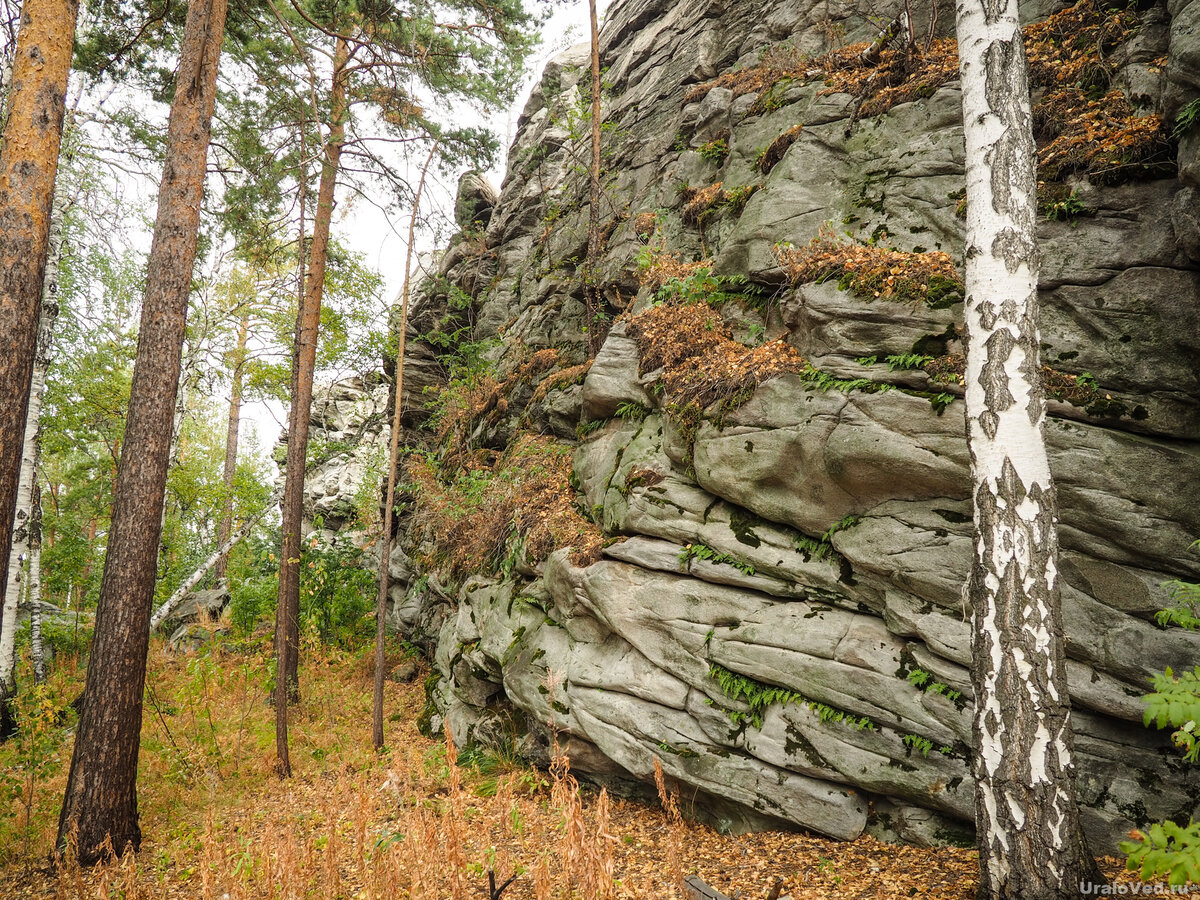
404, 673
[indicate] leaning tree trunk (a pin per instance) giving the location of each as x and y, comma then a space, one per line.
1031, 843
28, 165
385, 539
304, 360
27, 483
100, 807
231, 442
222, 552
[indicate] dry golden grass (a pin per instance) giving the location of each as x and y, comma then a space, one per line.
415, 823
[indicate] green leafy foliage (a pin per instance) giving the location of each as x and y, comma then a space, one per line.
1169, 848
1166, 849
906, 361
1186, 119
758, 696
1185, 611
715, 151
921, 744
1175, 703
336, 592
924, 680
631, 411
708, 554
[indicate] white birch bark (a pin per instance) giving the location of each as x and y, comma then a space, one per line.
1030, 841
19, 552
34, 588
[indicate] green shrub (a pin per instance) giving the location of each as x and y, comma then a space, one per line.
1169, 848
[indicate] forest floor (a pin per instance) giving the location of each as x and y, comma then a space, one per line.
217, 823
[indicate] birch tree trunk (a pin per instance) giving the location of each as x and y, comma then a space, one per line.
231, 442
27, 483
304, 356
28, 166
36, 649
385, 539
100, 806
1031, 844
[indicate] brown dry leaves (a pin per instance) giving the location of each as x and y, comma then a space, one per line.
526, 492
700, 202
870, 271
663, 267
701, 361
896, 78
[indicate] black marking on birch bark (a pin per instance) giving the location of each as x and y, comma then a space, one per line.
1014, 247
988, 314
994, 380
1011, 157
1016, 610
993, 10
1027, 337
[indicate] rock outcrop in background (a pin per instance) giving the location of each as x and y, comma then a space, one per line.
771, 522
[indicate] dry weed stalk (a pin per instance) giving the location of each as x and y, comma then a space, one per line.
210, 857
456, 824
543, 885
675, 833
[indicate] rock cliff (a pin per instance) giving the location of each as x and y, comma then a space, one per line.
737, 540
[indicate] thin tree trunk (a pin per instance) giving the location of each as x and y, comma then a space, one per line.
303, 367
27, 483
36, 650
28, 165
1031, 844
100, 805
385, 540
231, 442
591, 287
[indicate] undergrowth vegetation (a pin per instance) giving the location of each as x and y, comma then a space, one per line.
1084, 125
874, 272
490, 511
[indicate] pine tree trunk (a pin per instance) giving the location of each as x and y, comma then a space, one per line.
591, 286
101, 794
303, 366
28, 165
1031, 844
36, 650
27, 483
385, 539
231, 443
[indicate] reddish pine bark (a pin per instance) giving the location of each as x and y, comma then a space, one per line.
385, 540
304, 360
101, 797
28, 166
